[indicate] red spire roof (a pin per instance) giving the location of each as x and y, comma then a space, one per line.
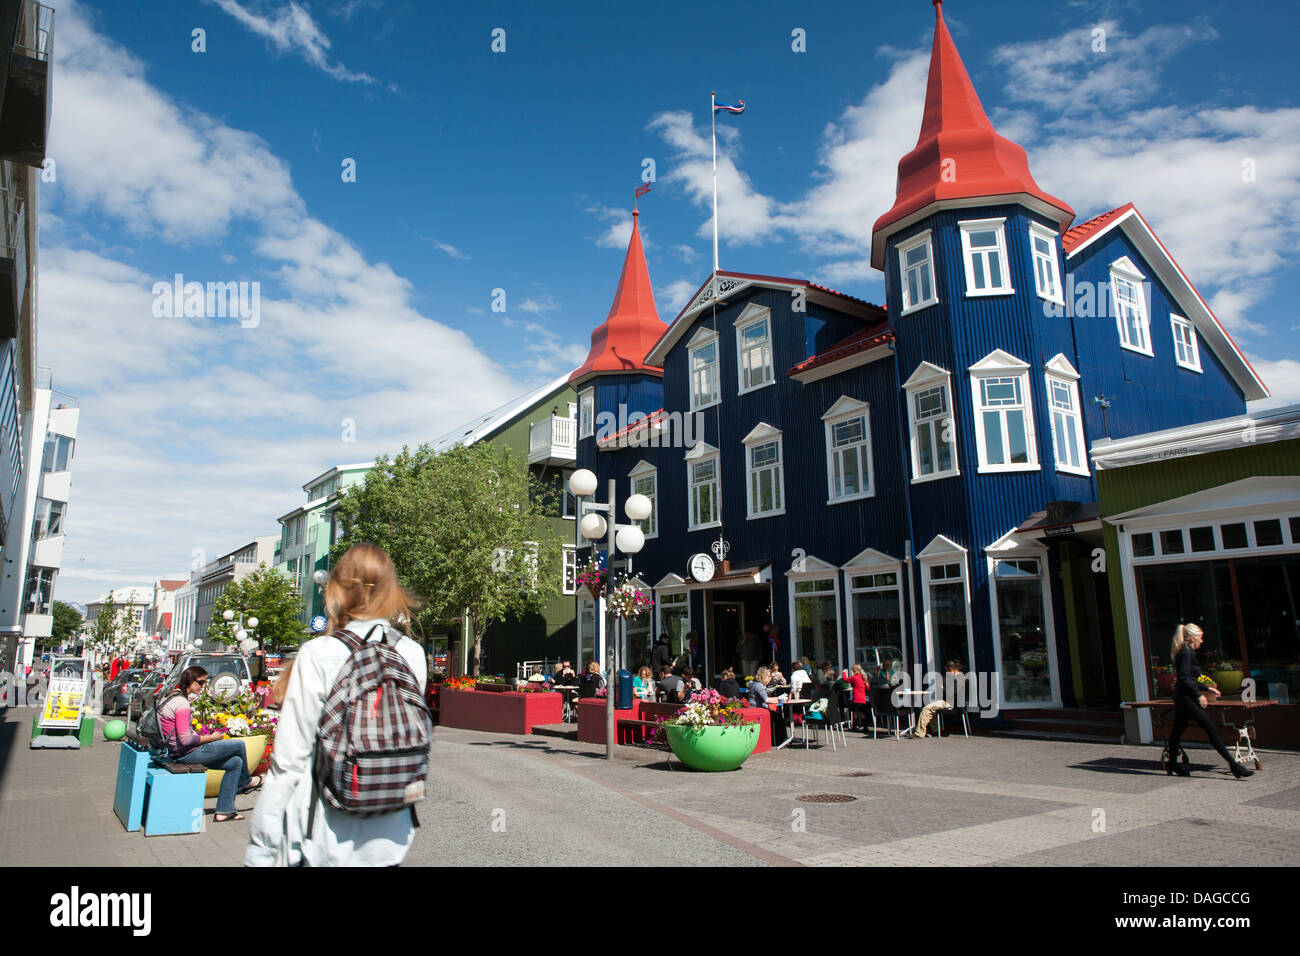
633, 326
958, 155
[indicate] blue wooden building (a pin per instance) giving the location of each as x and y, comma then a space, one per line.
908, 480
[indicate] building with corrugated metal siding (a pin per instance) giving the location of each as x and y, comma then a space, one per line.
908, 481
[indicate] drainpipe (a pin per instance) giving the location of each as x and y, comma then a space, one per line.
906, 445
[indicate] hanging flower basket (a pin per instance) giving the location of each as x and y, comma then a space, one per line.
626, 600
593, 577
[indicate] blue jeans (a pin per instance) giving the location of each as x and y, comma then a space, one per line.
227, 755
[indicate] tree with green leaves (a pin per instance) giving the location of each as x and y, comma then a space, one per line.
268, 595
113, 629
467, 531
66, 623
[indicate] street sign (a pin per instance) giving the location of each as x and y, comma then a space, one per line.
318, 623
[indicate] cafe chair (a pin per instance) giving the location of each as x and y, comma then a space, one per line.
882, 708
825, 713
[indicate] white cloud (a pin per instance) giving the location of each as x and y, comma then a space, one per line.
291, 29
197, 433
1282, 376
675, 295
443, 246
539, 305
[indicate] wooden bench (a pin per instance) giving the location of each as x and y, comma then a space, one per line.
630, 723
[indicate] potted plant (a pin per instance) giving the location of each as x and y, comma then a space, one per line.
593, 577
240, 717
1227, 674
710, 732
1165, 681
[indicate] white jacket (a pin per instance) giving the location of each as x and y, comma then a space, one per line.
279, 824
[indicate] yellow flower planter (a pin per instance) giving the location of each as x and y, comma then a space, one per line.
1229, 682
255, 746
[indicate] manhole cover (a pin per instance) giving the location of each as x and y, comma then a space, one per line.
826, 798
857, 773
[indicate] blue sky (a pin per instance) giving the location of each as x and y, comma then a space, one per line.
479, 170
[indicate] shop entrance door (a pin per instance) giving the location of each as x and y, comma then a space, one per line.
724, 638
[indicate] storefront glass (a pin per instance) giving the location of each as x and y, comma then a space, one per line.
586, 632
947, 612
639, 642
815, 625
1023, 631
877, 619
674, 620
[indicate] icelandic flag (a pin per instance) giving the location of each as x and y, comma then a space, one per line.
738, 108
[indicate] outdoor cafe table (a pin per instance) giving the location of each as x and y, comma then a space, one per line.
567, 690
789, 725
1243, 725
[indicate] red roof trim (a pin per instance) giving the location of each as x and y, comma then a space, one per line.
652, 419
1079, 234
855, 343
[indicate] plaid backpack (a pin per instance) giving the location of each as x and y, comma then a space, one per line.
372, 745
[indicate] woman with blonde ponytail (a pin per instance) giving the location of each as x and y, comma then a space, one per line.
364, 597
1190, 701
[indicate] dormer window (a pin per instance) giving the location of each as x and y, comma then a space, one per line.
1130, 306
916, 272
984, 247
1047, 270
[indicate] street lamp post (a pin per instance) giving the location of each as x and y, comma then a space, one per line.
246, 642
628, 538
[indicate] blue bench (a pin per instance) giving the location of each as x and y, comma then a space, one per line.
165, 798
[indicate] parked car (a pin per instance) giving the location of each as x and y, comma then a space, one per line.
227, 674
117, 695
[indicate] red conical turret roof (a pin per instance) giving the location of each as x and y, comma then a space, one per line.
621, 342
959, 155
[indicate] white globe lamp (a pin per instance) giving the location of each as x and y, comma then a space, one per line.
638, 507
593, 526
630, 539
320, 577
252, 622
583, 483
227, 615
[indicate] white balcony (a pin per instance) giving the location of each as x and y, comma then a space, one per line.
55, 485
48, 552
38, 625
553, 441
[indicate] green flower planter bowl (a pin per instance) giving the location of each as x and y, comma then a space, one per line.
1229, 682
713, 748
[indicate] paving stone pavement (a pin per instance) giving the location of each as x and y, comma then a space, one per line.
503, 800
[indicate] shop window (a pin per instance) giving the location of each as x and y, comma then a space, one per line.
1202, 539
675, 620
816, 625
1295, 530
1143, 545
1171, 542
1234, 535
1268, 533
877, 619
1022, 630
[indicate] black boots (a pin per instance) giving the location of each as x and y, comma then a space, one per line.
1239, 771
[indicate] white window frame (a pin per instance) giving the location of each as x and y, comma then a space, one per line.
998, 226
1124, 270
1008, 548
700, 453
847, 409
763, 434
926, 378
749, 317
1192, 345
944, 551
1039, 231
1059, 371
1000, 364
873, 562
701, 340
920, 239
641, 471
814, 569
569, 569
586, 413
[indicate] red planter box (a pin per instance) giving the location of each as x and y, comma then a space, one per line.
591, 719
501, 713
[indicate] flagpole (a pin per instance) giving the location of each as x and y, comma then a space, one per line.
713, 121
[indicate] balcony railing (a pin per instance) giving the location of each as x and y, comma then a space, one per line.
554, 440
35, 28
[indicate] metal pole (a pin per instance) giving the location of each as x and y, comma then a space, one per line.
713, 122
609, 629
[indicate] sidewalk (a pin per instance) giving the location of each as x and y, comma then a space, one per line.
501, 800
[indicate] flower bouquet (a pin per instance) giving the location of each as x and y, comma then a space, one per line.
593, 577
627, 600
241, 715
706, 708
459, 683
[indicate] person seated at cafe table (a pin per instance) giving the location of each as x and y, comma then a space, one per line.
671, 686
728, 686
936, 705
564, 675
798, 677
858, 681
643, 684
692, 682
757, 689
591, 682
776, 678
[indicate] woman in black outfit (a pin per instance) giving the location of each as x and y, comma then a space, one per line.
1189, 701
